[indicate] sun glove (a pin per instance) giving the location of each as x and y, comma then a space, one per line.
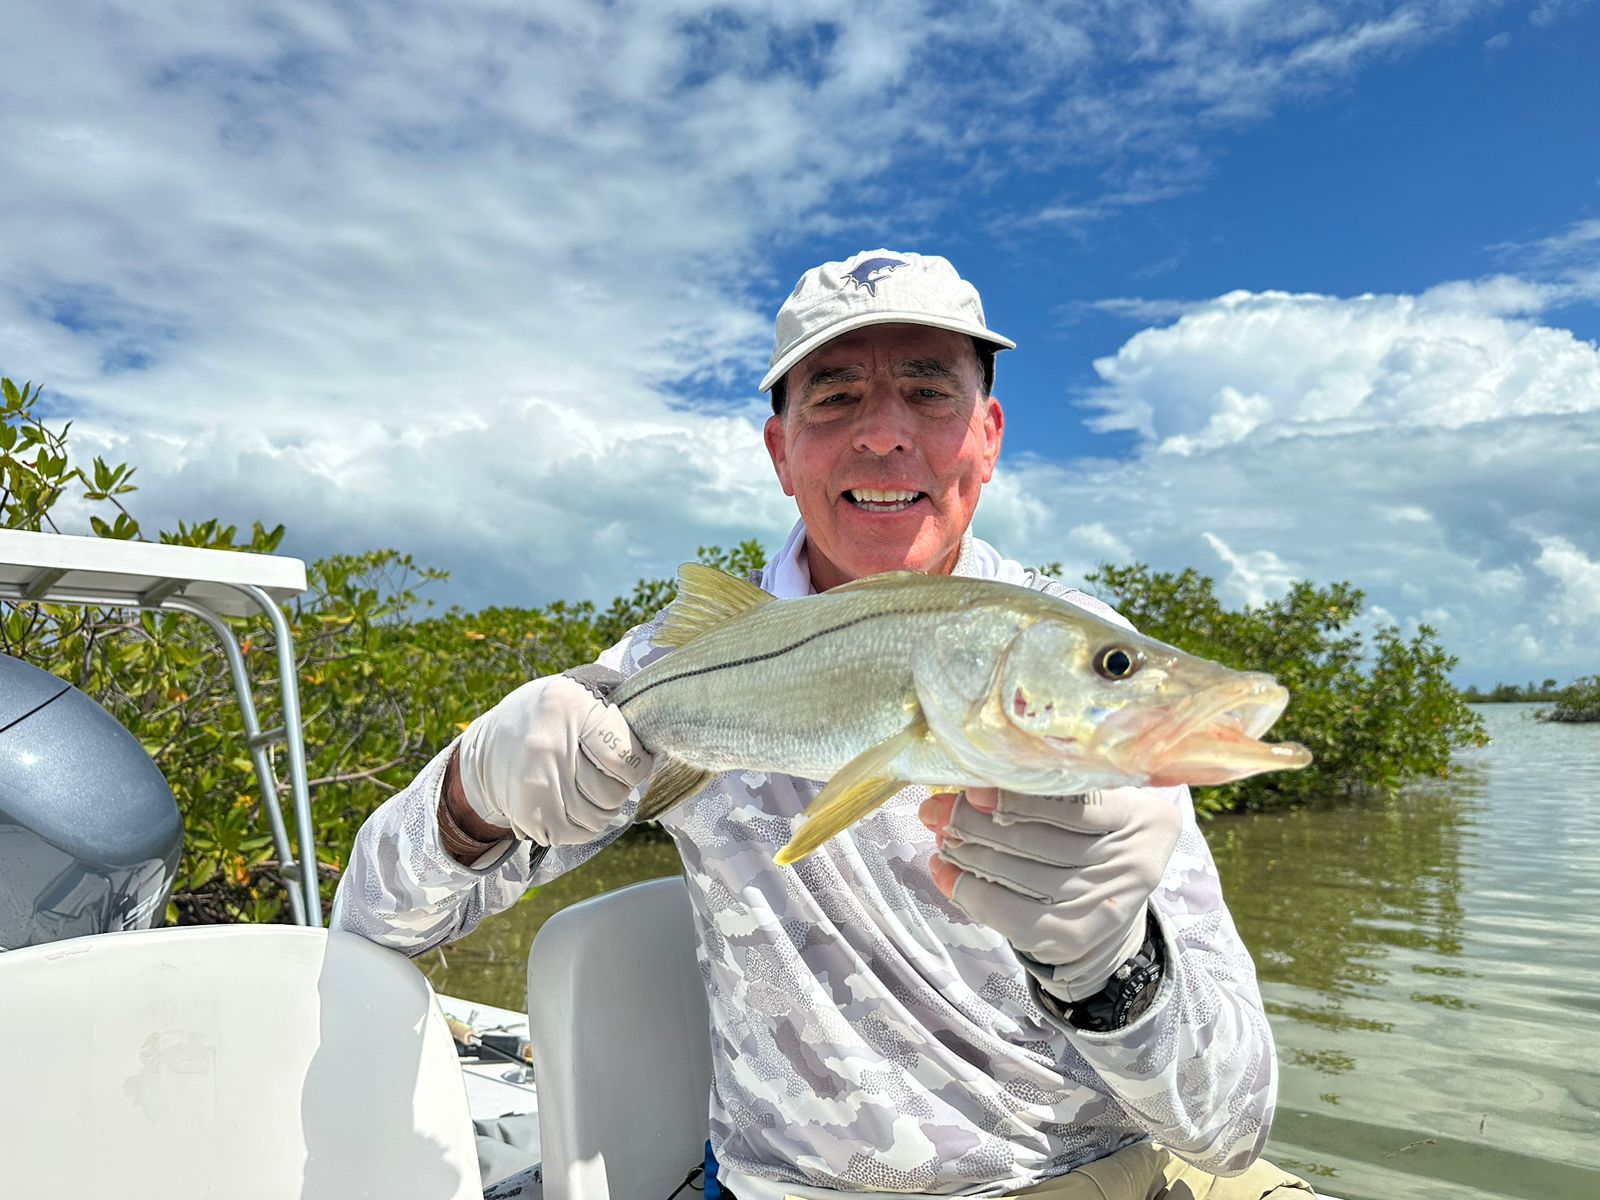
554, 761
1065, 879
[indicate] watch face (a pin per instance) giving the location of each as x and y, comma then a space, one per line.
1137, 994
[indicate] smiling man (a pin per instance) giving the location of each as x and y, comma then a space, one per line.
885, 441
987, 995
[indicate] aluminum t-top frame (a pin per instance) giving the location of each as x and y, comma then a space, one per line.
53, 568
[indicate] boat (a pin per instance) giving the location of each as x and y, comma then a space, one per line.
275, 1061
288, 1060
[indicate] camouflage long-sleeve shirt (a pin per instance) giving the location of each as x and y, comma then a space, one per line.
867, 1035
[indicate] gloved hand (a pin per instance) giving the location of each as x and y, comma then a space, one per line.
1065, 879
554, 761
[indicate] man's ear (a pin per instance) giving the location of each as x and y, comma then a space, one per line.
994, 427
778, 450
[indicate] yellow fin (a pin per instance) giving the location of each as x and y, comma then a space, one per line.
706, 598
861, 785
671, 783
832, 814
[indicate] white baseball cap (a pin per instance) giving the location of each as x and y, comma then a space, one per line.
875, 287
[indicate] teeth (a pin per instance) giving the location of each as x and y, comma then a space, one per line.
875, 496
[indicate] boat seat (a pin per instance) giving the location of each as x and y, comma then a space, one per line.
228, 1061
621, 1042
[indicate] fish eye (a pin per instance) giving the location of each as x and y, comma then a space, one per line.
1116, 662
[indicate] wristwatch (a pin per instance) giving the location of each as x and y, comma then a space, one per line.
1129, 992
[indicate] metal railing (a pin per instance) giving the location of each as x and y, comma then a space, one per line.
45, 568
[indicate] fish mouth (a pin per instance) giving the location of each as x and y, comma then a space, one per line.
883, 500
1214, 736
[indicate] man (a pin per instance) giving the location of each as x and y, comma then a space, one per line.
973, 995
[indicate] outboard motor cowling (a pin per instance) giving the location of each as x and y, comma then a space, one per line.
89, 831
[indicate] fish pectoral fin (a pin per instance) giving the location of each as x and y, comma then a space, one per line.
671, 783
706, 598
860, 786
835, 810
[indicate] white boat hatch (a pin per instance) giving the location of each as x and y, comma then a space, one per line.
229, 1060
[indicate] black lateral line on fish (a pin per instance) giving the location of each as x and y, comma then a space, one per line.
770, 654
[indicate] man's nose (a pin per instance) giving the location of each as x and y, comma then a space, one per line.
882, 423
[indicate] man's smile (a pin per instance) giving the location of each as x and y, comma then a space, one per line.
883, 500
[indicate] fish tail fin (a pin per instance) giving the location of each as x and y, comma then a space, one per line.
672, 782
706, 598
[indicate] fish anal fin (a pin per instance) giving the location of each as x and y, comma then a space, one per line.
861, 785
672, 782
706, 598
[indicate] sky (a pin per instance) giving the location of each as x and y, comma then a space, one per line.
1300, 291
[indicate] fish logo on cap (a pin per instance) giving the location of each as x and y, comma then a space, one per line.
867, 274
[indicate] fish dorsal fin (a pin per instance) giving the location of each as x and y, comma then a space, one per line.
706, 598
887, 579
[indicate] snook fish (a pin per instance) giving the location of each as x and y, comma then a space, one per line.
906, 678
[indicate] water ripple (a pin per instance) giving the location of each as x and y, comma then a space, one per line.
1432, 969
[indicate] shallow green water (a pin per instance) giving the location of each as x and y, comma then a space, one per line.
1432, 967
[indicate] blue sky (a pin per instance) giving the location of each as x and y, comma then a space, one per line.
1300, 290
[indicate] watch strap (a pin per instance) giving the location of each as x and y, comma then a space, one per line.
1126, 996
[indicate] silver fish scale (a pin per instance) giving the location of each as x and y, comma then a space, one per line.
804, 686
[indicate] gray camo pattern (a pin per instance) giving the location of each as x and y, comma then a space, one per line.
867, 1035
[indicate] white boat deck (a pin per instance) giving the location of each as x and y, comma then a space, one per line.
495, 1087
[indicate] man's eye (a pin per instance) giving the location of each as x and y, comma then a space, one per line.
929, 393
835, 398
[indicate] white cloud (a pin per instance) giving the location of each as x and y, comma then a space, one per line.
1568, 261
489, 283
1254, 578
1404, 512
1432, 449
447, 288
1138, 308
391, 272
1577, 575
1580, 235
1312, 365
1549, 12
1097, 538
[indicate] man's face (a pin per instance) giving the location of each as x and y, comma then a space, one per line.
886, 442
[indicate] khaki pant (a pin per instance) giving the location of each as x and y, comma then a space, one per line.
1147, 1172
